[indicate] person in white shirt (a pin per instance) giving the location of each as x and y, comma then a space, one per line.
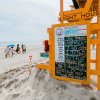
7, 52
12, 51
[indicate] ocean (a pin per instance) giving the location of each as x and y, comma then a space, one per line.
27, 43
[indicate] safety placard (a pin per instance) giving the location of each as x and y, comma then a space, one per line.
71, 52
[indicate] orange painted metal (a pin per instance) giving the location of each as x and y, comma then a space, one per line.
61, 11
88, 54
98, 50
90, 6
89, 9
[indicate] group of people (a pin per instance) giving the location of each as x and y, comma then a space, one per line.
10, 50
21, 49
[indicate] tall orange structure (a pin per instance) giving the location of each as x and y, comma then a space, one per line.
69, 43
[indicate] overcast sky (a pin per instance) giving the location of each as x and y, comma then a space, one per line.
28, 20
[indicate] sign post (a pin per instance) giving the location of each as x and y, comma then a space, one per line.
69, 44
30, 64
71, 52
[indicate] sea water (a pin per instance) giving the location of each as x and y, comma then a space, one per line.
27, 43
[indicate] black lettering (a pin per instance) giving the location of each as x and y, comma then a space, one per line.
97, 13
82, 15
87, 14
69, 17
92, 13
75, 16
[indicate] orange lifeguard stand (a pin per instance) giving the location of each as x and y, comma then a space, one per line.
82, 16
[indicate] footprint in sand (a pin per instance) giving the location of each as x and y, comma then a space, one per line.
11, 83
12, 96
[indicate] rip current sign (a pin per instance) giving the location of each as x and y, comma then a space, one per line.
71, 52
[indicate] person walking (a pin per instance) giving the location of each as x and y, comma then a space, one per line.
12, 51
7, 52
23, 48
18, 49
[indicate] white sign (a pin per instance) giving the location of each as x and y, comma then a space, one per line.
59, 44
61, 33
75, 31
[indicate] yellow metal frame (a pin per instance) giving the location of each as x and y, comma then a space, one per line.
91, 27
88, 52
78, 12
51, 66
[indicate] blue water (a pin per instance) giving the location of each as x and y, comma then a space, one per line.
27, 43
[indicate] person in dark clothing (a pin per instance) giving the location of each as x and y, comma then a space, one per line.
18, 49
22, 47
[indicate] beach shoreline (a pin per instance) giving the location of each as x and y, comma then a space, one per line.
16, 82
19, 59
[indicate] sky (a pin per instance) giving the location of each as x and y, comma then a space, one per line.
28, 20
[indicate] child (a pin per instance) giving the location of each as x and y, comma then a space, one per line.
7, 52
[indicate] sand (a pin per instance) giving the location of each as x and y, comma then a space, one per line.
17, 84
19, 59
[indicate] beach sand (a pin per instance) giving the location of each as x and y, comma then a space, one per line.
19, 59
17, 84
